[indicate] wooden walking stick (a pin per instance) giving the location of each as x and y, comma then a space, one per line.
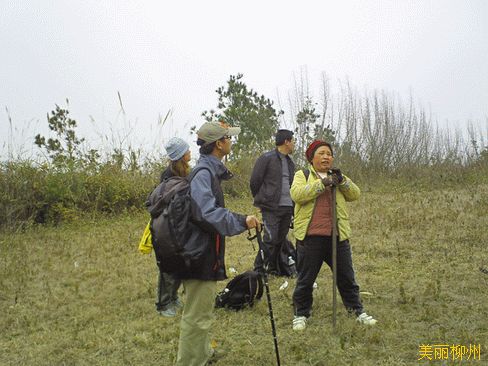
334, 258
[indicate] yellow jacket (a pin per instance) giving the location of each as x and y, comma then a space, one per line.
304, 193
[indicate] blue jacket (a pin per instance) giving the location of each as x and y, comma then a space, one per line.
215, 222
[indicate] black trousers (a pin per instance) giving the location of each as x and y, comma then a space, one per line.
311, 253
276, 226
167, 290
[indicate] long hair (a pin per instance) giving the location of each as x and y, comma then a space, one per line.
180, 167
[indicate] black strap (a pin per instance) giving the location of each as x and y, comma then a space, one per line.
260, 287
257, 236
196, 170
306, 173
253, 275
215, 186
260, 239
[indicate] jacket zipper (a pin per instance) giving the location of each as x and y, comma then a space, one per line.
217, 251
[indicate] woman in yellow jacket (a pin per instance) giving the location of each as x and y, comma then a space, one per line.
312, 195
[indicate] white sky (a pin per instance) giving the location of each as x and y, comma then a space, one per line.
173, 55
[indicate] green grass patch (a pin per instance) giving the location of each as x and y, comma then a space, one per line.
81, 294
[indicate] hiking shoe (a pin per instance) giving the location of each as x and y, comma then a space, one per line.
299, 323
364, 318
169, 312
178, 304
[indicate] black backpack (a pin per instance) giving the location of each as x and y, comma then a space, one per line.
170, 206
241, 291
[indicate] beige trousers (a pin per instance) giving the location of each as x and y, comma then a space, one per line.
194, 344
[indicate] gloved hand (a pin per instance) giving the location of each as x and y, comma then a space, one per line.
338, 174
330, 180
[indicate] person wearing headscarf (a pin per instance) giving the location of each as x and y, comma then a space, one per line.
311, 191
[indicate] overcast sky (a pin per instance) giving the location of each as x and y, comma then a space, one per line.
165, 56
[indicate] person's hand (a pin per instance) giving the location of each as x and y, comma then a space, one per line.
330, 181
338, 174
253, 222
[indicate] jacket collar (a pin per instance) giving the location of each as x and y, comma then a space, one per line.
278, 154
216, 165
314, 172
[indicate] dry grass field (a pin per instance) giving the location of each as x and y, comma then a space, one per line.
81, 294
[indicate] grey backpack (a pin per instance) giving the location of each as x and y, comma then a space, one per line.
170, 207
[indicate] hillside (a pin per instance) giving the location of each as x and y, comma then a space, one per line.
81, 294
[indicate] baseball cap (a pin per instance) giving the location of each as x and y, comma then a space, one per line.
213, 131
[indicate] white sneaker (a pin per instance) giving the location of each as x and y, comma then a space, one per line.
169, 312
299, 323
364, 318
178, 304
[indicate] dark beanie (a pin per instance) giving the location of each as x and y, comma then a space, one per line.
282, 136
313, 147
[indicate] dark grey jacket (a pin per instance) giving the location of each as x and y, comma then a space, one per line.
209, 209
167, 173
266, 179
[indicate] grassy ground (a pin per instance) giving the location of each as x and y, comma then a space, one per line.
81, 294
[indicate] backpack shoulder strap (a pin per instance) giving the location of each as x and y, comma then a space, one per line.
259, 280
216, 189
306, 173
196, 170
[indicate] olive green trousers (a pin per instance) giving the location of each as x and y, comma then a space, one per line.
197, 318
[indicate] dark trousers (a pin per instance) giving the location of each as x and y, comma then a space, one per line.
311, 253
167, 290
276, 225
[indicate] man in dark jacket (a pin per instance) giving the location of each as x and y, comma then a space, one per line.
270, 183
215, 222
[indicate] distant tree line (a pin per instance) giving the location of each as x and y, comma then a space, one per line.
375, 136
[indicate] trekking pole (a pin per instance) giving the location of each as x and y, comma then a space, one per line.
268, 296
334, 258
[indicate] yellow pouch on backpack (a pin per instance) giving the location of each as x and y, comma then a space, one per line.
145, 245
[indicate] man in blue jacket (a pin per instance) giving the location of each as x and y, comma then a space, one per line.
215, 222
270, 184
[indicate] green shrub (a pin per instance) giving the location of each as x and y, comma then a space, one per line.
241, 168
40, 194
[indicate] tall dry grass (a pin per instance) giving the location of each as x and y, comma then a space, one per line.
375, 135
377, 131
